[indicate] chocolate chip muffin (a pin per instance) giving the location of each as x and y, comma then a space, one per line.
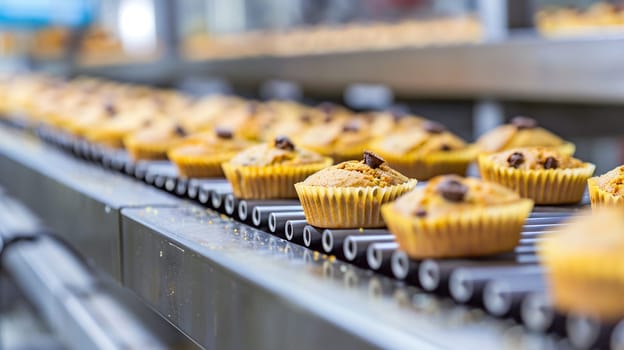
202, 154
584, 263
341, 139
270, 170
607, 190
452, 216
543, 174
424, 151
153, 141
350, 194
522, 132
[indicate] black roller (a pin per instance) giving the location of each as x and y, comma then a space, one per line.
159, 181
587, 333
538, 314
333, 238
171, 183
503, 297
433, 274
404, 268
229, 204
379, 256
277, 221
192, 189
466, 284
293, 230
246, 206
182, 187
260, 214
312, 238
204, 196
354, 247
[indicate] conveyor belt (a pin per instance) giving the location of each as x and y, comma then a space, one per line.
505, 286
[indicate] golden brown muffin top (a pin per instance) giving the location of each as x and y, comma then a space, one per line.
211, 142
521, 132
535, 158
162, 131
338, 134
280, 152
371, 171
595, 233
428, 138
612, 181
451, 194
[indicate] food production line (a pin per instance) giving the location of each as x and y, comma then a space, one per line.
229, 273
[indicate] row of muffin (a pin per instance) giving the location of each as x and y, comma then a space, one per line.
450, 216
151, 123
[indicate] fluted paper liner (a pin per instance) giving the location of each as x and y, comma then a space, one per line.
425, 167
271, 181
200, 165
478, 232
600, 198
348, 207
549, 186
137, 151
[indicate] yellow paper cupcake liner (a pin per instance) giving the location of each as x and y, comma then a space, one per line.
144, 151
552, 186
600, 198
108, 138
200, 165
348, 207
426, 167
269, 182
465, 234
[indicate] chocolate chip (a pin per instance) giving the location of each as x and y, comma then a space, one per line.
147, 123
351, 126
110, 109
372, 160
283, 142
433, 127
224, 133
327, 107
306, 119
551, 163
179, 131
421, 213
445, 147
515, 159
524, 123
452, 190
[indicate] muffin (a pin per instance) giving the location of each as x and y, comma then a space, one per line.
350, 194
453, 216
607, 189
153, 142
201, 155
544, 175
425, 151
341, 139
522, 132
270, 170
585, 263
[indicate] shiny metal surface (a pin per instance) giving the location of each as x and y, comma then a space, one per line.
217, 280
520, 68
80, 201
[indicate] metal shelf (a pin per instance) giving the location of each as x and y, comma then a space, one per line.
524, 67
521, 68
